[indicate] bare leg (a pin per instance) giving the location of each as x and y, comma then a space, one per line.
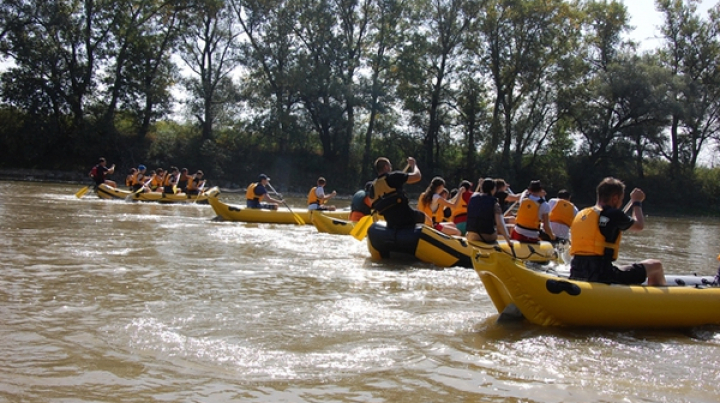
655, 272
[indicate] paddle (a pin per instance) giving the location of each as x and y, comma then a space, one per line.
360, 230
132, 195
627, 206
298, 219
82, 192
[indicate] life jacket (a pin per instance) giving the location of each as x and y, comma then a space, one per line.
384, 197
436, 216
459, 213
156, 181
586, 238
169, 179
139, 179
312, 197
184, 180
528, 215
360, 203
193, 183
94, 171
563, 212
250, 193
129, 180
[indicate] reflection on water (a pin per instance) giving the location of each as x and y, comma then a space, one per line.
114, 301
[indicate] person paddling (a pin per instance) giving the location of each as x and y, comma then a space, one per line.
595, 239
257, 193
100, 171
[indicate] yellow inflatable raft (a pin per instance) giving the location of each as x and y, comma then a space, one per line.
229, 212
330, 225
432, 246
108, 192
550, 300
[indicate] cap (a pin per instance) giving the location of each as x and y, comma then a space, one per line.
535, 186
263, 176
141, 167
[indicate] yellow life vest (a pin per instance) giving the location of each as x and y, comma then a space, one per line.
136, 179
250, 193
313, 199
586, 238
156, 181
383, 196
528, 215
166, 179
563, 212
437, 216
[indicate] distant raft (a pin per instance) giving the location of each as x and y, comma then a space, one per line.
329, 225
551, 300
229, 212
105, 191
432, 246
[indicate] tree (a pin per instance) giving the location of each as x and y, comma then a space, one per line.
211, 53
691, 51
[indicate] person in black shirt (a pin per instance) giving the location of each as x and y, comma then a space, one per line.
388, 197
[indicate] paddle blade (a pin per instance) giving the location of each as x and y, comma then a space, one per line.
298, 219
82, 192
361, 228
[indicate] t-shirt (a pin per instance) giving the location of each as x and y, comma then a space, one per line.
320, 194
401, 215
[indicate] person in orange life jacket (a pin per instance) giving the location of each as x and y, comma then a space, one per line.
533, 212
595, 239
459, 214
432, 203
182, 182
317, 197
195, 182
484, 215
562, 213
360, 204
257, 193
505, 196
141, 179
169, 182
130, 178
388, 197
156, 180
99, 172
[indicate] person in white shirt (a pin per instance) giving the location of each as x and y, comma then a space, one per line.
532, 216
562, 214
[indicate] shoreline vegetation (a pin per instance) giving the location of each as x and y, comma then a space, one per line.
43, 175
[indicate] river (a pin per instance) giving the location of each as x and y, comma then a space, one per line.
108, 301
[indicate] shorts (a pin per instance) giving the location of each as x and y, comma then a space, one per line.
522, 238
590, 268
462, 227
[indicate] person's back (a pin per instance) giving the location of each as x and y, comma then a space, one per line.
562, 214
360, 204
388, 197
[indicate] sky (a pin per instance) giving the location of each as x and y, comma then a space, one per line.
646, 19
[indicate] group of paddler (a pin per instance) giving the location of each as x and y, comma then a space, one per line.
595, 232
139, 180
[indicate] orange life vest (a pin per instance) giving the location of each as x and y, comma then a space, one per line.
312, 197
250, 193
563, 212
586, 238
528, 215
437, 216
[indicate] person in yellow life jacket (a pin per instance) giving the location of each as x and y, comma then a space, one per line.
388, 198
130, 179
257, 193
169, 181
183, 180
156, 180
532, 216
141, 179
433, 204
562, 214
595, 237
317, 198
195, 184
